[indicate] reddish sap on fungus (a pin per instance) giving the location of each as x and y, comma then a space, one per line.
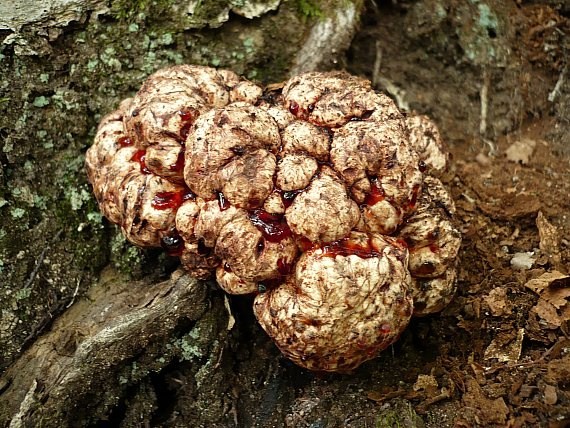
223, 202
284, 267
179, 164
347, 247
186, 115
294, 108
273, 227
173, 243
426, 268
414, 199
376, 194
167, 200
139, 157
125, 141
287, 197
304, 244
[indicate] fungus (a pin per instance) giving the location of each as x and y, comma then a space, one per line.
317, 196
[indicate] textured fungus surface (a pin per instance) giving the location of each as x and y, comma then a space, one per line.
320, 197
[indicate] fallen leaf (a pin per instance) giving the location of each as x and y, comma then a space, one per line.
548, 314
506, 347
380, 397
427, 383
549, 238
550, 395
554, 303
497, 302
538, 285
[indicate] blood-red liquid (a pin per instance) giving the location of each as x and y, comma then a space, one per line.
347, 247
179, 164
426, 268
223, 202
414, 199
167, 200
287, 197
125, 141
173, 243
304, 244
376, 194
139, 157
434, 248
184, 131
294, 108
187, 116
284, 267
273, 227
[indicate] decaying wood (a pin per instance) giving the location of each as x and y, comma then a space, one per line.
95, 346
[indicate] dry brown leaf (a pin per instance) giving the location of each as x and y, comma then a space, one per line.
538, 285
550, 395
554, 303
497, 302
547, 313
380, 397
549, 238
427, 383
506, 347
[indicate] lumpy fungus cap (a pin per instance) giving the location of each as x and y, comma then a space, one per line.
319, 196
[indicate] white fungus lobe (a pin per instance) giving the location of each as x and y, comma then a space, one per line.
317, 196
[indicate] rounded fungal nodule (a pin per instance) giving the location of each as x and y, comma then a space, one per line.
318, 196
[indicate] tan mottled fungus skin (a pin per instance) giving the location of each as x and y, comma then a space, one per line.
320, 198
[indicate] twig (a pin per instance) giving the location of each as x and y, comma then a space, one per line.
552, 96
484, 95
74, 294
39, 262
397, 93
377, 63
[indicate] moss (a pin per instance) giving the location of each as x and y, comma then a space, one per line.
309, 9
125, 257
400, 415
128, 10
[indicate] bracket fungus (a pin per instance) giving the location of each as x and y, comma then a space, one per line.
318, 196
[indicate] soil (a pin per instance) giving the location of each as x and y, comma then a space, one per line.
499, 354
